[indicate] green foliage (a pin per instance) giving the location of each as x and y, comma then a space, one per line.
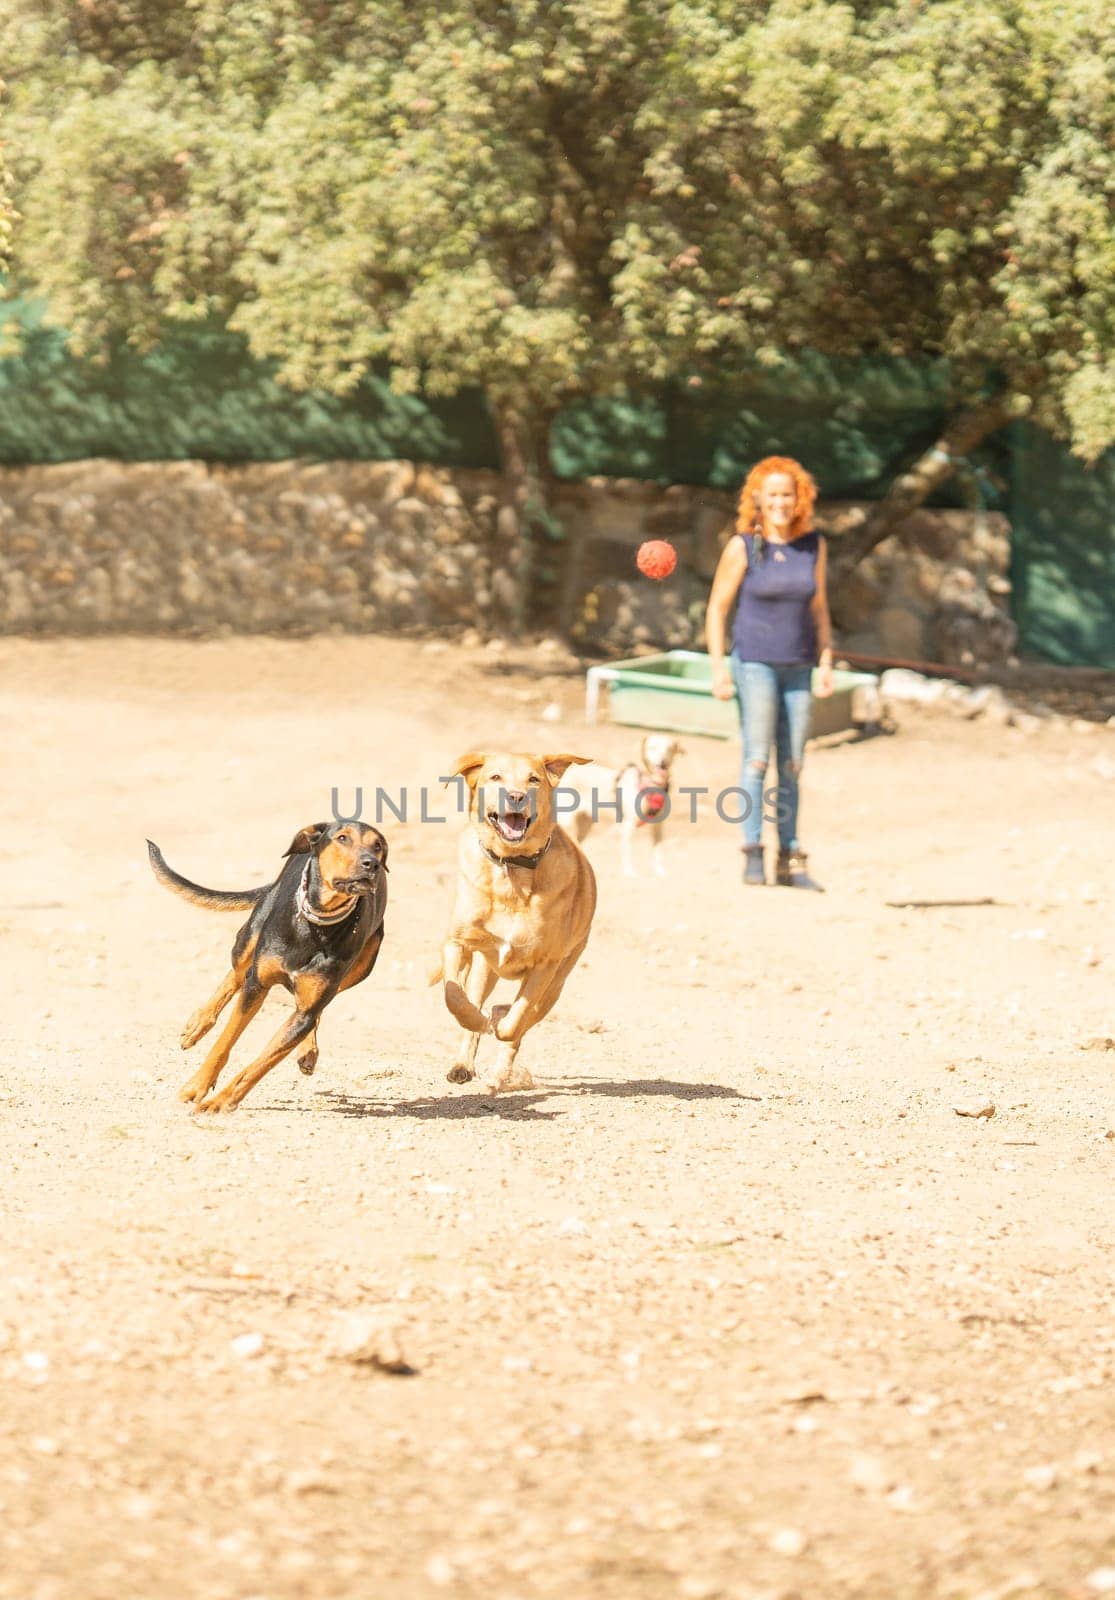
7, 210
546, 198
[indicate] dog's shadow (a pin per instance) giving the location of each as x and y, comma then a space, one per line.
521, 1107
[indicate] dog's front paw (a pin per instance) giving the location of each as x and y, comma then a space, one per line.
213, 1107
193, 1089
460, 1074
468, 1015
517, 1078
196, 1028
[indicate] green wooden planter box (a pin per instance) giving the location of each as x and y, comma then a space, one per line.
673, 692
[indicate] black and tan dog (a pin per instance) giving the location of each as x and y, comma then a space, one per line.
316, 930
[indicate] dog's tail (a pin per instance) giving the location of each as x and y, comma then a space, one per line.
435, 974
195, 893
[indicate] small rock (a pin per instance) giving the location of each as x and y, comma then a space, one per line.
440, 1570
1100, 1042
694, 1588
1041, 1478
247, 1346
871, 1474
572, 1225
552, 712
365, 1341
898, 683
985, 1110
1101, 1580
972, 703
788, 1542
310, 1482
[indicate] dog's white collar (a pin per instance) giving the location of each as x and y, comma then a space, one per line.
323, 919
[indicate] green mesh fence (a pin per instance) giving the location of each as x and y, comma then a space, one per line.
856, 424
1063, 552
200, 396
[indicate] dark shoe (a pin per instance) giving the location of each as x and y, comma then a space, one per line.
753, 864
793, 871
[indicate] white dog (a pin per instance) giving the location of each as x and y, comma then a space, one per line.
635, 796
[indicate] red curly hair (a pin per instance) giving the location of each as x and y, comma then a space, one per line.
748, 517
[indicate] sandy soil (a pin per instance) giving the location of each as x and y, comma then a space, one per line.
733, 1304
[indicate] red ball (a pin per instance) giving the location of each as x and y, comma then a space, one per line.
657, 558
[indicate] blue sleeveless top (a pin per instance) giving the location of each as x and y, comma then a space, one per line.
773, 622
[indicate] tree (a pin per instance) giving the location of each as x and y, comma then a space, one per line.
435, 188
546, 199
914, 179
7, 210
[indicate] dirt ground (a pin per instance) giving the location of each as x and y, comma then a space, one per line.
733, 1304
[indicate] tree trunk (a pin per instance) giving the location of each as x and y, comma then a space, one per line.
523, 442
914, 486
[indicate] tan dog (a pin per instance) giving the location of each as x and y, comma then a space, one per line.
524, 906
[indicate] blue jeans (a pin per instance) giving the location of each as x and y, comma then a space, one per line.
775, 706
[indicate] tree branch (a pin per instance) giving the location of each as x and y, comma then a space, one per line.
912, 488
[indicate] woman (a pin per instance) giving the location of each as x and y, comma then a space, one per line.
776, 566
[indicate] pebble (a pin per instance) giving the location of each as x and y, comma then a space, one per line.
572, 1225
985, 1110
310, 1482
247, 1346
365, 1341
1101, 1580
440, 1570
871, 1474
695, 1588
788, 1542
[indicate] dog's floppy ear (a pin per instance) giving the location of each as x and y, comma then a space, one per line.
467, 765
556, 765
306, 839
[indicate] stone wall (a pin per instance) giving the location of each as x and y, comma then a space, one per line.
105, 546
